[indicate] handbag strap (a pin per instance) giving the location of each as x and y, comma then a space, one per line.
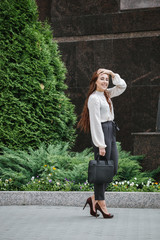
98, 158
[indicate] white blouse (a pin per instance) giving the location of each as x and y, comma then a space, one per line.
99, 110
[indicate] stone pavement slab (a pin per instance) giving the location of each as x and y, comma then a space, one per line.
72, 223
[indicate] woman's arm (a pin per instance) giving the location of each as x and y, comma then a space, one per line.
119, 88
95, 124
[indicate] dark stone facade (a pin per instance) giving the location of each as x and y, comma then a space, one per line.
148, 144
94, 34
118, 22
158, 117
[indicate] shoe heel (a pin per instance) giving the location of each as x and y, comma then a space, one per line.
85, 205
96, 213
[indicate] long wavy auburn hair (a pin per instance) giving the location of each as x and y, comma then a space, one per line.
84, 123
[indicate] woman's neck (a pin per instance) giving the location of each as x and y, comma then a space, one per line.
99, 92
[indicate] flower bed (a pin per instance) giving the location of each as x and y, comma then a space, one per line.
47, 184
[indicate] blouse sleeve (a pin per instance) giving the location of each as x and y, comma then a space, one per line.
95, 122
119, 88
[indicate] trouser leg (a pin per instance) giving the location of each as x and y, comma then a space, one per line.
114, 156
110, 140
111, 153
99, 189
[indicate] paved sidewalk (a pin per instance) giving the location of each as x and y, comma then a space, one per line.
72, 223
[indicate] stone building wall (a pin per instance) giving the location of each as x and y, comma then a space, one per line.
120, 35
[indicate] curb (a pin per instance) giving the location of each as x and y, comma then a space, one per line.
58, 198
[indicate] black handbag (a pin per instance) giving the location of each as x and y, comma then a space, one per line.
100, 171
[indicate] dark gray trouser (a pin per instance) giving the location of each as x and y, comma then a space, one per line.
111, 154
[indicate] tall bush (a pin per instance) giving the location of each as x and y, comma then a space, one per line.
33, 103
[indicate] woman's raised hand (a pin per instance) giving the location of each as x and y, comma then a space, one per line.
103, 70
107, 71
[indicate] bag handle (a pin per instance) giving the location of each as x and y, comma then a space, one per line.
98, 158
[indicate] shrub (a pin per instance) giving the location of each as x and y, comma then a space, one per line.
55, 167
20, 166
34, 106
129, 167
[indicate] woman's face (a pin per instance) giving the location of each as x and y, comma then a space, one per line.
102, 82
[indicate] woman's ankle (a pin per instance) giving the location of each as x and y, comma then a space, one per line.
102, 203
103, 206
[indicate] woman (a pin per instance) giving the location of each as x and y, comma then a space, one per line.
97, 116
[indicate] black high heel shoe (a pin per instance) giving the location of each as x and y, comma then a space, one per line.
97, 207
93, 213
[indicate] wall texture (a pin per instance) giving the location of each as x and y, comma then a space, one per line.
117, 35
148, 144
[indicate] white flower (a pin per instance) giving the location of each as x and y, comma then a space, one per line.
132, 184
135, 178
148, 183
116, 182
122, 183
32, 178
128, 182
58, 183
137, 185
